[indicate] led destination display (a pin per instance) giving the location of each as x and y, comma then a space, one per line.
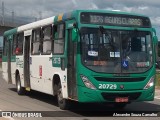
114, 19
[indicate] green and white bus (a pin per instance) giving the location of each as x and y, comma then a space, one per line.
85, 56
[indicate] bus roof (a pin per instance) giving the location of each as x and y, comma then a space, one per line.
61, 17
113, 12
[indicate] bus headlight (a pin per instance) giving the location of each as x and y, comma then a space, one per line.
150, 83
87, 83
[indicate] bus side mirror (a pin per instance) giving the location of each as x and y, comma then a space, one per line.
155, 40
74, 34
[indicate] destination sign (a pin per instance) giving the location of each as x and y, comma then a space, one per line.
114, 19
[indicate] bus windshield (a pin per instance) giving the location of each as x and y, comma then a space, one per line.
116, 51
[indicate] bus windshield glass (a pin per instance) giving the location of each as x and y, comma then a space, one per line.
116, 51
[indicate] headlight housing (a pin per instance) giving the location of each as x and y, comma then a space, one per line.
87, 83
150, 83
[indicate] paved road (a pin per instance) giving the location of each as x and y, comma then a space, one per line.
36, 101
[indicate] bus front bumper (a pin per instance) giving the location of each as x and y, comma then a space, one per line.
89, 95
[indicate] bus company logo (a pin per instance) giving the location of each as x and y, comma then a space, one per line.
57, 60
19, 63
6, 114
122, 86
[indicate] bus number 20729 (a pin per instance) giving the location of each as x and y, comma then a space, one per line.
107, 86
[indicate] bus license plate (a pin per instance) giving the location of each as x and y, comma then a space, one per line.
121, 99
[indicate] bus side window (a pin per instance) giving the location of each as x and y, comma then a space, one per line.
14, 44
36, 45
19, 44
136, 44
47, 38
55, 34
58, 41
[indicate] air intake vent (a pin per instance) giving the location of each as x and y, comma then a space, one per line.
120, 79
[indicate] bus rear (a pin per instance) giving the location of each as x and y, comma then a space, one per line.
115, 59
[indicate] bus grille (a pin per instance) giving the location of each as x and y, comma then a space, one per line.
120, 79
112, 96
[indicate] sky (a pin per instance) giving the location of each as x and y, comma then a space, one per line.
48, 8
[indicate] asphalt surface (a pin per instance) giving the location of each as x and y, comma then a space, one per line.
47, 106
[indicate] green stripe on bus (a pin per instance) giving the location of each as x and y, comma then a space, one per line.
5, 59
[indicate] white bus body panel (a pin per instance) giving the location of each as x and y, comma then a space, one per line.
37, 24
28, 33
44, 83
19, 67
41, 64
37, 82
13, 69
5, 71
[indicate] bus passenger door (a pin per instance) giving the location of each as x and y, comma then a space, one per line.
27, 37
71, 67
9, 59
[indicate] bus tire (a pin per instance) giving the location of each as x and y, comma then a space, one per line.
120, 105
62, 103
20, 89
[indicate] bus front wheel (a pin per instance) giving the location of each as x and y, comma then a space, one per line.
63, 103
20, 89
